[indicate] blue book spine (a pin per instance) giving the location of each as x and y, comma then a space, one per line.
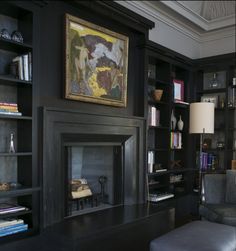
14, 230
11, 226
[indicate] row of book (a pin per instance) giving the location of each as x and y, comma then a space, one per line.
176, 140
21, 67
12, 226
208, 161
9, 108
153, 116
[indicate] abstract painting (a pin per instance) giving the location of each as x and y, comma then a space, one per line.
96, 63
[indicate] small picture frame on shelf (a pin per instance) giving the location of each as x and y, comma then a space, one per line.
178, 90
210, 98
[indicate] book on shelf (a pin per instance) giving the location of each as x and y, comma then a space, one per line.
176, 140
153, 116
208, 161
158, 196
160, 170
22, 66
13, 229
10, 113
181, 102
10, 222
9, 109
6, 208
151, 161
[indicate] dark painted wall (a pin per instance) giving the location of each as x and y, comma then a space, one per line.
51, 60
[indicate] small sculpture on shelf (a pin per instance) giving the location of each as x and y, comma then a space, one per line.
12, 147
17, 37
173, 121
180, 124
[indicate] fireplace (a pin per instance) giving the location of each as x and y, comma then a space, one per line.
94, 176
104, 152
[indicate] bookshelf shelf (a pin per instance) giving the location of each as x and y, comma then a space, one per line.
154, 82
159, 127
15, 154
151, 102
4, 116
220, 90
18, 192
13, 46
25, 212
10, 80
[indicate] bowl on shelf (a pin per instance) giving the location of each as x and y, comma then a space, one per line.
157, 94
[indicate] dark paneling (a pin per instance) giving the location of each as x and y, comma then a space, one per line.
51, 84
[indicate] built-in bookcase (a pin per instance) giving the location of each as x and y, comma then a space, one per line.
215, 84
18, 187
169, 171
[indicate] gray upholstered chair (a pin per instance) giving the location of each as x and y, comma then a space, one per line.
219, 193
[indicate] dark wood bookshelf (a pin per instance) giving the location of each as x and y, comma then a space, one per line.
15, 154
16, 214
18, 117
158, 149
18, 192
151, 102
159, 127
10, 45
212, 91
152, 81
10, 80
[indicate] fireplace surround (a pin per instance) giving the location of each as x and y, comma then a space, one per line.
62, 128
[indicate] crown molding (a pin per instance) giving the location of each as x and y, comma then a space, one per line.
203, 23
155, 13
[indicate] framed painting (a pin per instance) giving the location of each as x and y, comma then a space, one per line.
178, 90
96, 63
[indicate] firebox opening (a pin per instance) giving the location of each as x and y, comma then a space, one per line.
94, 177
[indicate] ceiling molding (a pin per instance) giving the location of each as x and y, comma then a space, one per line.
153, 12
157, 14
197, 19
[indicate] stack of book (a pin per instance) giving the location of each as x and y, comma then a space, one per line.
9, 108
12, 226
176, 140
208, 161
22, 66
153, 116
6, 208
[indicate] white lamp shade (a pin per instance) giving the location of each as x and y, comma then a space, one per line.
201, 119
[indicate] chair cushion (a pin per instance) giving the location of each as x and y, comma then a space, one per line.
197, 235
230, 186
214, 188
221, 213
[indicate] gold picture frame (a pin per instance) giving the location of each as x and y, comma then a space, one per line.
96, 63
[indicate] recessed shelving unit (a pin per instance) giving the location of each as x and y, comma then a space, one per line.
161, 156
17, 171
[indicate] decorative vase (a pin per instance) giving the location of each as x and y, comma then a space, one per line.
180, 124
173, 120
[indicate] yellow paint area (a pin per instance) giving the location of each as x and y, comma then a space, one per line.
97, 91
83, 31
99, 69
